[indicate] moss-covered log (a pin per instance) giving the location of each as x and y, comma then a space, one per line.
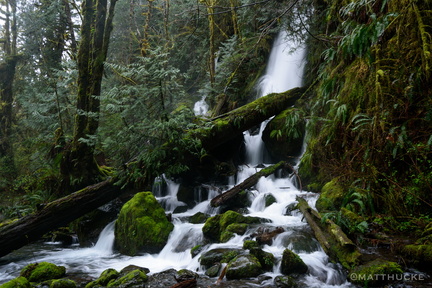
56, 214
249, 182
332, 239
227, 126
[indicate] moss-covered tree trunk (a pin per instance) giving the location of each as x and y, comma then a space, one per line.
79, 164
7, 75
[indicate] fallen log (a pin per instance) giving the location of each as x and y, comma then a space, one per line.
331, 237
249, 182
227, 126
56, 214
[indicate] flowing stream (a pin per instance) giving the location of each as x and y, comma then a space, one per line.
283, 72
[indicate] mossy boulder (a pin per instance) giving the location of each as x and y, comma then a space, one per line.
243, 266
292, 263
105, 277
135, 278
63, 283
235, 228
198, 218
284, 145
284, 281
420, 255
38, 272
375, 273
331, 197
266, 259
142, 226
215, 226
269, 200
219, 255
19, 282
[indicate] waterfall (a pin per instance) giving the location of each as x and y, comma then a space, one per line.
283, 72
105, 241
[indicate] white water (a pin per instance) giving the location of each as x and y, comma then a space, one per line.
283, 73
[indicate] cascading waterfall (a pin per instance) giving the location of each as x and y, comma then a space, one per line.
283, 72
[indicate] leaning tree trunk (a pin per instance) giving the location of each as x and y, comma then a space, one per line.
331, 237
249, 182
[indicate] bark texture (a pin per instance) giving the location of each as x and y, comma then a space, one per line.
249, 182
56, 214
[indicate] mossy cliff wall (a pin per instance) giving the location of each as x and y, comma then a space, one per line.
370, 121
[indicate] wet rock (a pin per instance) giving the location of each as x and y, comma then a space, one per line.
198, 218
131, 268
142, 226
134, 279
269, 199
375, 273
243, 266
19, 282
63, 283
38, 272
214, 270
285, 282
266, 259
220, 255
288, 145
330, 198
292, 263
216, 225
105, 277
266, 235
290, 209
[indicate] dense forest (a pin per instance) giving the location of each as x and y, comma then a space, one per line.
94, 90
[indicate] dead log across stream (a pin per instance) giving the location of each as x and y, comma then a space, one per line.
64, 210
249, 182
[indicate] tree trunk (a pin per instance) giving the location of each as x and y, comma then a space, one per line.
249, 182
332, 239
79, 165
56, 214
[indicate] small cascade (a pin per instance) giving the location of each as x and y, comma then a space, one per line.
169, 200
283, 72
201, 107
105, 241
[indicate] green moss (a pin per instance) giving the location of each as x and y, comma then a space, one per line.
376, 272
292, 263
105, 277
19, 282
63, 283
38, 272
142, 225
133, 278
331, 197
250, 244
216, 227
421, 255
243, 266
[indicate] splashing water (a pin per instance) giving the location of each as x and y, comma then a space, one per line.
283, 72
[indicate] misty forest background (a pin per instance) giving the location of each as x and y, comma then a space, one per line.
90, 87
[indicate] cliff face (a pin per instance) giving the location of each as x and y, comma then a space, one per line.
370, 124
